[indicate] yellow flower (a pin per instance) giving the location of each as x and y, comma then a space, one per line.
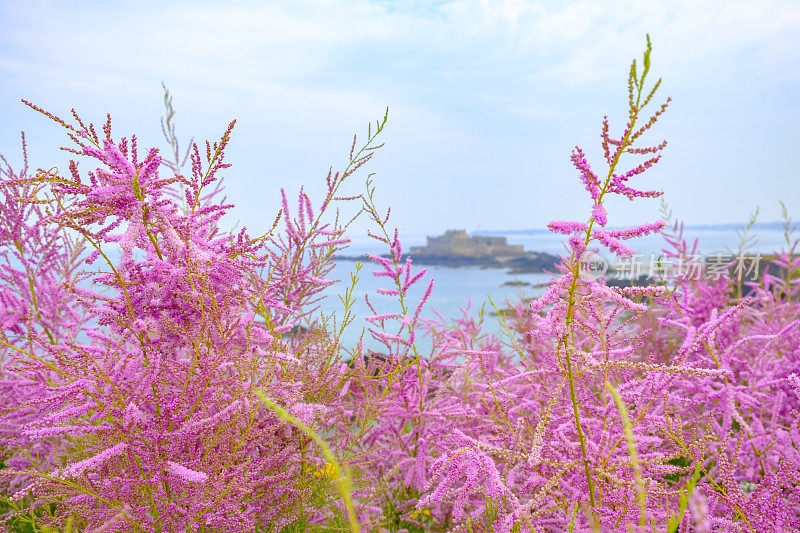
326, 471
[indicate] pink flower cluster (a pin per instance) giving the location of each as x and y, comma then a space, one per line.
140, 342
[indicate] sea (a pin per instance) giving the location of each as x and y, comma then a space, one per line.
466, 291
459, 291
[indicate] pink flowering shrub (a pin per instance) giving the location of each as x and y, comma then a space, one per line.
155, 375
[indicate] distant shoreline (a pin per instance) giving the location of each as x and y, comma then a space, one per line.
731, 226
525, 264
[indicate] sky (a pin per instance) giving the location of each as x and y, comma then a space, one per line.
486, 99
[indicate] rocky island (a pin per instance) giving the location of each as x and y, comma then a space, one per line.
458, 249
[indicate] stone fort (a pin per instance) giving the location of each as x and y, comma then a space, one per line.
458, 243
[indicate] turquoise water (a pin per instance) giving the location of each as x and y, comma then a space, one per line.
711, 241
455, 288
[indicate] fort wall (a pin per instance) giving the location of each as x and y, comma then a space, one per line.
458, 243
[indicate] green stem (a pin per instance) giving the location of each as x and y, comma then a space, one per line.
574, 265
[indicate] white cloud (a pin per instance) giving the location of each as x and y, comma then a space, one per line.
452, 72
239, 43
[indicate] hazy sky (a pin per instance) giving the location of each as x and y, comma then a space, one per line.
486, 98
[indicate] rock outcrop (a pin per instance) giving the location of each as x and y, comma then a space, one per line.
457, 249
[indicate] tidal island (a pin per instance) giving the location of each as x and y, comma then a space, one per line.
458, 249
